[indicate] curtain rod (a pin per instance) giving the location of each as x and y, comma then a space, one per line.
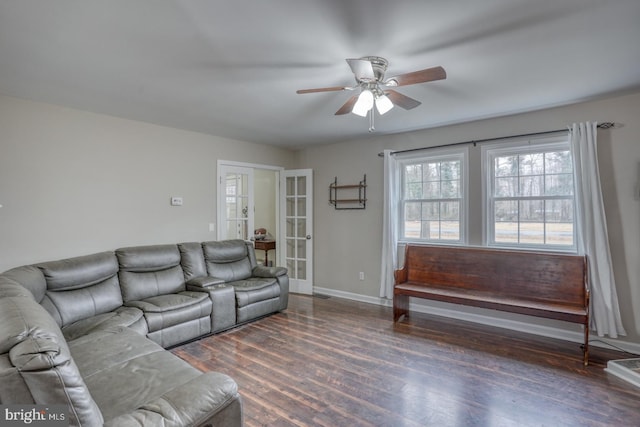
603, 125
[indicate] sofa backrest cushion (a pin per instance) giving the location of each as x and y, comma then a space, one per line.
192, 260
39, 362
148, 271
229, 260
81, 287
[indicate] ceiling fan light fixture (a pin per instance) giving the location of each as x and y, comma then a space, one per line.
383, 104
364, 103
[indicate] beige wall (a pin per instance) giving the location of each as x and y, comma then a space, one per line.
74, 182
347, 242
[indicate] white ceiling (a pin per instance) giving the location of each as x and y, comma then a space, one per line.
231, 68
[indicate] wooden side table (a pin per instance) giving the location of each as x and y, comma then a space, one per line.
266, 246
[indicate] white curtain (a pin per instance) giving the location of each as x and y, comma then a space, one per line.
389, 226
592, 233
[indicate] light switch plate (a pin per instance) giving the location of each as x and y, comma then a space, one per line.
176, 201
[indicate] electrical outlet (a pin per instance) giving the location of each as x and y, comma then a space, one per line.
176, 201
212, 227
361, 275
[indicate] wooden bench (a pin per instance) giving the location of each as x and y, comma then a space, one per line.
542, 284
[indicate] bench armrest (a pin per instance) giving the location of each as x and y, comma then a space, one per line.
401, 275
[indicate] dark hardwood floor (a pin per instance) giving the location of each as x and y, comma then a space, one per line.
334, 362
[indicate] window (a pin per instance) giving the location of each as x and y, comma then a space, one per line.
433, 204
530, 194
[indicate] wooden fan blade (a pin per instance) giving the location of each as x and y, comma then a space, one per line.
322, 89
422, 76
362, 69
401, 100
348, 106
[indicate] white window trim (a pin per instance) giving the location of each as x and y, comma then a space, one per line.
404, 158
518, 145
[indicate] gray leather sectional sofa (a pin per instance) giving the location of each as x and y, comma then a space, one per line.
90, 332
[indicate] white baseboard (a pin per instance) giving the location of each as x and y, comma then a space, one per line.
486, 319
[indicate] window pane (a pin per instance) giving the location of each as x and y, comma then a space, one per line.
431, 190
559, 234
450, 230
558, 162
506, 232
412, 211
506, 211
301, 271
532, 233
291, 265
531, 210
506, 166
431, 211
302, 185
301, 226
559, 211
302, 206
531, 164
449, 210
413, 190
559, 185
531, 186
506, 187
432, 171
291, 181
291, 231
450, 189
291, 249
450, 170
291, 207
302, 249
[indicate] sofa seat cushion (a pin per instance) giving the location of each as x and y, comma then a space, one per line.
211, 399
164, 311
124, 372
130, 317
253, 290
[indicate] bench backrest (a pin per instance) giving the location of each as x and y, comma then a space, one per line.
532, 276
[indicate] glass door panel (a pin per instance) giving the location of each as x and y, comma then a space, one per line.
297, 229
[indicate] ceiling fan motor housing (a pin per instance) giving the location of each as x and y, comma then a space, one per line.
379, 66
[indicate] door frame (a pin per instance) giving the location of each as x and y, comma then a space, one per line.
219, 188
223, 172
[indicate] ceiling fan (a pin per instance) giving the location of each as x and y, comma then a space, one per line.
369, 74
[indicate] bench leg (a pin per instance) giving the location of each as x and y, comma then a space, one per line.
400, 306
585, 348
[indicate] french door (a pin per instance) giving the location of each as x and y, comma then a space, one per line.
296, 228
236, 213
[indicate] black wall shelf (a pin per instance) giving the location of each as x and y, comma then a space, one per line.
351, 196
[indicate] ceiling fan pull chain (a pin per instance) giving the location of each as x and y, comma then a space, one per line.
371, 124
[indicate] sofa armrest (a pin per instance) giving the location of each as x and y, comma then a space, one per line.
223, 298
262, 271
211, 398
203, 282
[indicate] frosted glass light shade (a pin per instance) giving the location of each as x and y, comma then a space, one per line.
364, 103
383, 104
